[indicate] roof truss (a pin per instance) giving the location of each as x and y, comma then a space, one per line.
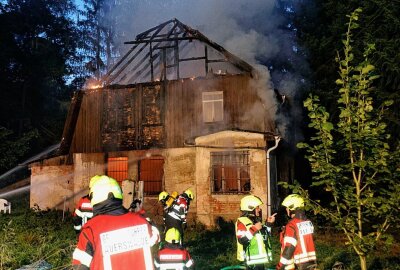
150, 47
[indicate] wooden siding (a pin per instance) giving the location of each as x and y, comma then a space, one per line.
161, 115
87, 136
184, 108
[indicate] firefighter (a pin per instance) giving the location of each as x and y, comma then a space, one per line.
297, 244
136, 206
176, 214
166, 199
252, 237
114, 238
83, 212
172, 255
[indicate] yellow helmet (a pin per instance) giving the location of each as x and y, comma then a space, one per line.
163, 196
94, 179
293, 201
102, 187
250, 202
189, 194
172, 236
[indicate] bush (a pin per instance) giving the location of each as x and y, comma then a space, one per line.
27, 236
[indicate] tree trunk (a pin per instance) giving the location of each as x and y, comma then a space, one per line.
363, 262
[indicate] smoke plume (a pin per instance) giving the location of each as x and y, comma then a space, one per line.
252, 30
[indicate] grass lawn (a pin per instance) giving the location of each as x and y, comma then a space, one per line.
27, 236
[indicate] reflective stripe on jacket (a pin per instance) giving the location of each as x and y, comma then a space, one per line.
83, 212
255, 252
179, 209
297, 244
115, 242
173, 257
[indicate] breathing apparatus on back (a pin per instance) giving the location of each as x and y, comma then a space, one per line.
171, 199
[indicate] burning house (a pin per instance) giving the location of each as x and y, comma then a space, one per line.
177, 111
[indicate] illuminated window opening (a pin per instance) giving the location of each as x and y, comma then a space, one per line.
117, 168
230, 172
151, 172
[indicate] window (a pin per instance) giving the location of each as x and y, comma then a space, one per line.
213, 106
117, 168
151, 172
230, 172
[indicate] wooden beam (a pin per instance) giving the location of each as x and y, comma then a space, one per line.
70, 123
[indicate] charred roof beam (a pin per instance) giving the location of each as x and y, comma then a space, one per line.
110, 78
158, 28
172, 31
233, 59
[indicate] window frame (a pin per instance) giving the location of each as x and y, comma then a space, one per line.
212, 106
230, 172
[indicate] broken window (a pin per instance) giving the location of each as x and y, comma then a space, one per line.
213, 106
117, 168
151, 172
230, 172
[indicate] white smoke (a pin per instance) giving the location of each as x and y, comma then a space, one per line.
251, 30
245, 28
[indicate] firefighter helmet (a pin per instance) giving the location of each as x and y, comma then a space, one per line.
94, 179
172, 236
189, 194
101, 189
250, 202
163, 196
293, 201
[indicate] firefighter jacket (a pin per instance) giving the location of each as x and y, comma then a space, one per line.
250, 243
297, 244
173, 257
179, 209
115, 240
83, 212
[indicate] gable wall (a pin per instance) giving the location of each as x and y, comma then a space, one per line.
147, 116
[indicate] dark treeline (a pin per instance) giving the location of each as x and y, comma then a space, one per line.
48, 49
38, 44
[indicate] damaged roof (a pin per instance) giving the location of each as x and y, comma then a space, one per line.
171, 51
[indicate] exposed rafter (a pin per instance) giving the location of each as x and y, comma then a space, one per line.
156, 54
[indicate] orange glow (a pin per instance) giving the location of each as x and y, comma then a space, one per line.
93, 85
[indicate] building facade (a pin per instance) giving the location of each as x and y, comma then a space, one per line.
168, 125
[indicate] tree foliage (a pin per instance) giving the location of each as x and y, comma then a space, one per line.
351, 157
12, 149
97, 25
320, 24
38, 42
